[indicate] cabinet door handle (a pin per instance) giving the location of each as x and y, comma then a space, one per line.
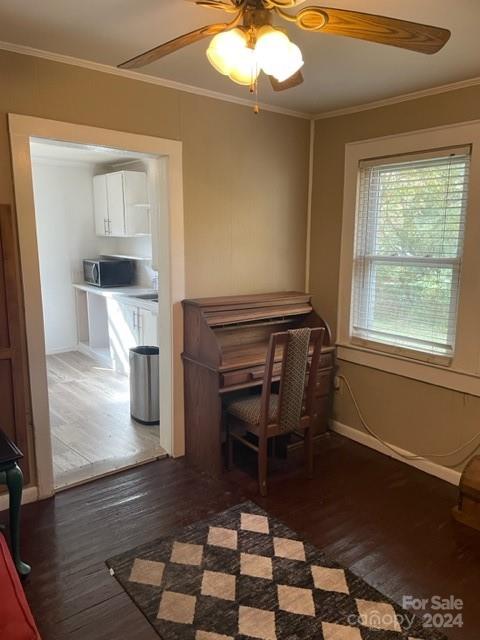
134, 319
109, 228
104, 226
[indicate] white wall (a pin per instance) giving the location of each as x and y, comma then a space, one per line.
64, 215
63, 192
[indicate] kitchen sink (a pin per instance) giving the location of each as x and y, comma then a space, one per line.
147, 296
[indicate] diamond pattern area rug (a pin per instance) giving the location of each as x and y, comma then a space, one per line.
242, 574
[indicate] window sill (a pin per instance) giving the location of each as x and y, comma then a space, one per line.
427, 372
403, 352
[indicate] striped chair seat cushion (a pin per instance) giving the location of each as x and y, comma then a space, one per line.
248, 409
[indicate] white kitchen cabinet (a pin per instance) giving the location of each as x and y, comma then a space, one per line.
100, 204
136, 203
123, 334
149, 327
116, 204
129, 326
121, 204
131, 318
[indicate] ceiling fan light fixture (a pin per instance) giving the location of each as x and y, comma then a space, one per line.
224, 50
276, 54
246, 69
290, 64
270, 44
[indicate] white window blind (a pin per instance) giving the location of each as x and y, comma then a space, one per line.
408, 250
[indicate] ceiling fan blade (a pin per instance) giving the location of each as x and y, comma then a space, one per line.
289, 83
178, 43
218, 4
365, 26
283, 4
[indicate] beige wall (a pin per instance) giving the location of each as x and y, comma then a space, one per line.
245, 176
245, 205
246, 180
408, 413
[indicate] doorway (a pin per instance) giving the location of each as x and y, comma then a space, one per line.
93, 209
78, 363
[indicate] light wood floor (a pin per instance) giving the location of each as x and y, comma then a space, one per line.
92, 431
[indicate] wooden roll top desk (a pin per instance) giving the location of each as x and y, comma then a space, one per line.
225, 349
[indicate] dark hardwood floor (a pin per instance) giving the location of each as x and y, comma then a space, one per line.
386, 521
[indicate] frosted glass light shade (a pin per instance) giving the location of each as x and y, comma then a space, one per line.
225, 48
246, 69
292, 63
271, 45
276, 55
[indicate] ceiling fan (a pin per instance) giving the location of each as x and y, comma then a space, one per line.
250, 43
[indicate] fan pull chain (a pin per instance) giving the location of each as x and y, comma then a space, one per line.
254, 69
254, 89
256, 108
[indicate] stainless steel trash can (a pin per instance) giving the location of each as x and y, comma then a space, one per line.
144, 385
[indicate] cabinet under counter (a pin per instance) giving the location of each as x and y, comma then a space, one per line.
112, 321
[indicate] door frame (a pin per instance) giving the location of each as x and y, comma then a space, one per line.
171, 265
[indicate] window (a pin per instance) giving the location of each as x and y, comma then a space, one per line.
408, 246
409, 289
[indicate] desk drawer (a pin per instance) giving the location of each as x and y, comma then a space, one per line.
325, 361
246, 376
254, 375
322, 411
324, 383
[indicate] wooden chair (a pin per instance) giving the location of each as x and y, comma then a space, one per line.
292, 409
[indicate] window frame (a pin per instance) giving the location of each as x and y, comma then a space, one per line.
367, 259
461, 370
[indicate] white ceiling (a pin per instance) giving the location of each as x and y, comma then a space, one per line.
339, 72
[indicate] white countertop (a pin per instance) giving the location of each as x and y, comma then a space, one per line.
125, 293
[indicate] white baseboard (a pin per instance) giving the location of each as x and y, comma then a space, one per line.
434, 469
54, 352
30, 494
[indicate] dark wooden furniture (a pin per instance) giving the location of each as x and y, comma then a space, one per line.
225, 350
14, 384
467, 510
291, 410
11, 475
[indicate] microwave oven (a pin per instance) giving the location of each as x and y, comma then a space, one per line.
108, 272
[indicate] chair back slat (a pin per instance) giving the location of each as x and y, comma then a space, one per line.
294, 400
292, 382
317, 338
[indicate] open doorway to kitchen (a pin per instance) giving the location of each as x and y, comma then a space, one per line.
99, 284
100, 217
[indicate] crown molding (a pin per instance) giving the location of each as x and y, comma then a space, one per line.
215, 95
404, 97
140, 77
